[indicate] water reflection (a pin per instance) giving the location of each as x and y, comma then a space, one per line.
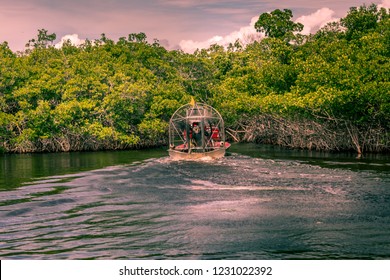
18, 168
120, 206
374, 162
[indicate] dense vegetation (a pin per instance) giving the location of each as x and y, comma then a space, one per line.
326, 91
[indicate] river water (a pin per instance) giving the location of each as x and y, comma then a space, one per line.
259, 202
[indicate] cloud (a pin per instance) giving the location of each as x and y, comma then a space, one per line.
248, 34
316, 20
73, 38
245, 35
323, 16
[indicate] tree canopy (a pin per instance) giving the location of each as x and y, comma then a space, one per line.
278, 24
331, 91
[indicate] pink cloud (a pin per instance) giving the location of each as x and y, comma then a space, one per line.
73, 38
316, 20
246, 34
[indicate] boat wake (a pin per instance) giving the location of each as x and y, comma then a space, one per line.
228, 208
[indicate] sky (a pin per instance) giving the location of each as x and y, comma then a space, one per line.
177, 24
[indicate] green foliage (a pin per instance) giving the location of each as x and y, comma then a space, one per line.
42, 40
278, 24
360, 21
115, 95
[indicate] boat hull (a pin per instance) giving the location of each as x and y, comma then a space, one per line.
185, 155
214, 154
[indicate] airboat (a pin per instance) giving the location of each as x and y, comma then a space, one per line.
196, 131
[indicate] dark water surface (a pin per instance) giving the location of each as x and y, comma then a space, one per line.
258, 202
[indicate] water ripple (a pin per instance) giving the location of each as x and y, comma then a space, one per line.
236, 207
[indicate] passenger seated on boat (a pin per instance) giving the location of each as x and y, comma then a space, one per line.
196, 134
215, 134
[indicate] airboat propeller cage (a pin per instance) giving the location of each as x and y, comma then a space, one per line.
196, 128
